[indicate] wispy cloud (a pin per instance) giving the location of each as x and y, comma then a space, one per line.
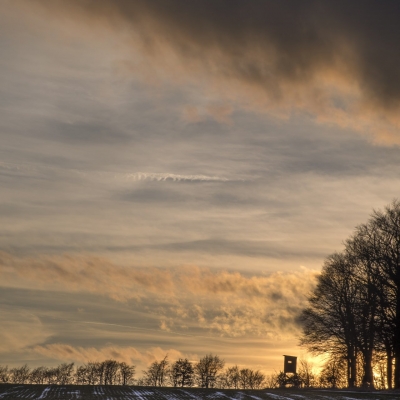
20, 329
88, 274
38, 170
130, 355
141, 176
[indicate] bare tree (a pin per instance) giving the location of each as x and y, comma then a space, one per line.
156, 374
329, 323
207, 370
110, 372
81, 375
20, 375
367, 310
332, 374
382, 234
255, 379
182, 373
244, 378
90, 374
100, 368
126, 373
64, 374
354, 312
51, 375
38, 375
230, 379
307, 374
281, 379
271, 381
4, 374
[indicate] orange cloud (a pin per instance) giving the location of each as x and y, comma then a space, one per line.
229, 303
87, 274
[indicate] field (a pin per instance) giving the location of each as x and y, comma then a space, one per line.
146, 393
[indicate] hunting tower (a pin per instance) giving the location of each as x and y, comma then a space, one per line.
290, 365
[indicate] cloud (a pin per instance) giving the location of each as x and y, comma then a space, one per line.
130, 355
19, 329
337, 60
182, 299
141, 176
88, 274
249, 248
218, 112
46, 171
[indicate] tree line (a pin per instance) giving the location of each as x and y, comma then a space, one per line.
208, 372
108, 372
353, 314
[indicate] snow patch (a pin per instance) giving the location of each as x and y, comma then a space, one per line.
276, 396
191, 395
254, 397
348, 398
139, 394
45, 393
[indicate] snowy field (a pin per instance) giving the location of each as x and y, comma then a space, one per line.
147, 393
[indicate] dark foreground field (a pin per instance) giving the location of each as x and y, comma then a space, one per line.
147, 393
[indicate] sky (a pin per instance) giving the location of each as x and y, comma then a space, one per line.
174, 173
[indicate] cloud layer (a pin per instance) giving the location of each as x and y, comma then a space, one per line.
337, 60
228, 303
101, 310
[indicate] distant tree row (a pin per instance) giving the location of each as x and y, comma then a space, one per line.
354, 312
108, 372
208, 372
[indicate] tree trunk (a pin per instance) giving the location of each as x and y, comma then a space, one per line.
397, 371
353, 371
368, 377
351, 368
389, 368
397, 337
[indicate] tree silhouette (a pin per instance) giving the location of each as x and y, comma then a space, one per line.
207, 370
354, 311
182, 373
156, 374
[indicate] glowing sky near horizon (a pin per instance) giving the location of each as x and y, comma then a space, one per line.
174, 173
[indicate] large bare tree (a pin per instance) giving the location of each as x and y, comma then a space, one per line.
329, 324
355, 308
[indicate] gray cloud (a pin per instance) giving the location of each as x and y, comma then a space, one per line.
86, 133
321, 56
247, 248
